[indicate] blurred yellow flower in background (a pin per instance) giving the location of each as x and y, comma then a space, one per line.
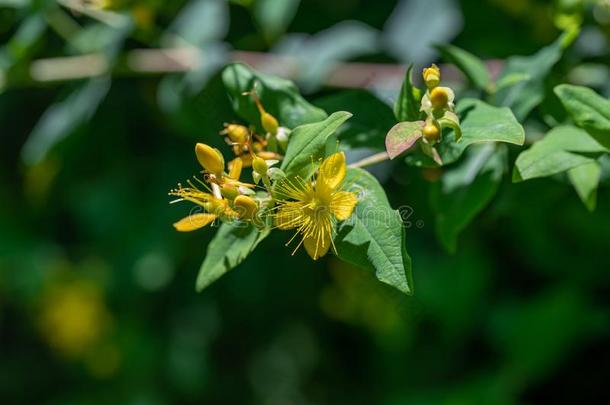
73, 317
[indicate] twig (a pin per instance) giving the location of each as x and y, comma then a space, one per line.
371, 160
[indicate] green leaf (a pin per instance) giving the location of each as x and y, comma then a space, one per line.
588, 109
402, 137
373, 238
308, 142
585, 179
562, 149
480, 122
408, 103
473, 67
465, 189
232, 243
280, 97
371, 120
526, 94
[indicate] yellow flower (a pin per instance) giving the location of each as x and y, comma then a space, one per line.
313, 208
216, 199
432, 76
215, 208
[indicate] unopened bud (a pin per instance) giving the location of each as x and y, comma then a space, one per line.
432, 76
269, 123
237, 133
245, 206
229, 191
432, 132
260, 166
210, 159
439, 98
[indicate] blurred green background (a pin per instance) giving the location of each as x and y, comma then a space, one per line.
97, 300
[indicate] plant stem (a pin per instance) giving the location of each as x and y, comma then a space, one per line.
371, 160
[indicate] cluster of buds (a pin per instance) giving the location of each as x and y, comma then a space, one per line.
221, 194
437, 104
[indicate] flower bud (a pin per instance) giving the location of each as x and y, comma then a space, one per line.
215, 206
229, 191
432, 76
236, 133
439, 98
432, 132
260, 166
245, 206
269, 123
210, 159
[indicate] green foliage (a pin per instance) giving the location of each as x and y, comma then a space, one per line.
406, 107
369, 124
588, 110
308, 144
466, 189
480, 123
561, 149
279, 96
527, 75
564, 148
231, 245
374, 236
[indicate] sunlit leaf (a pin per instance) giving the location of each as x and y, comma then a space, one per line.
373, 238
308, 143
561, 149
588, 109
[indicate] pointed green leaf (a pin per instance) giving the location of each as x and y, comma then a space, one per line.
585, 179
373, 238
526, 94
588, 109
562, 149
232, 243
307, 144
408, 103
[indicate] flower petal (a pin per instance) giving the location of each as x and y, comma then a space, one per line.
342, 204
194, 222
317, 247
332, 173
235, 167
